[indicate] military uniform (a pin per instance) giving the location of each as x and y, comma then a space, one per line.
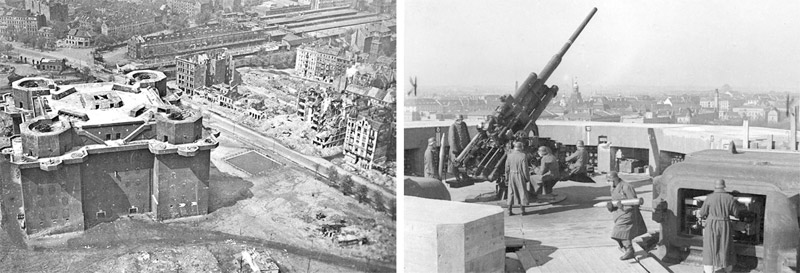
458, 138
548, 174
718, 234
628, 221
430, 168
518, 175
581, 157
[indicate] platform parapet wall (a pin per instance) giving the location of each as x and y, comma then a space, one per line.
149, 78
181, 184
454, 237
47, 137
26, 89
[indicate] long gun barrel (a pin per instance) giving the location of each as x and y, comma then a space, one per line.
519, 113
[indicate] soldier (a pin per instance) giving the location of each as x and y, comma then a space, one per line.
430, 155
518, 176
458, 137
580, 157
628, 221
718, 249
547, 173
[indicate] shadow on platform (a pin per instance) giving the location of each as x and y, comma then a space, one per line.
524, 254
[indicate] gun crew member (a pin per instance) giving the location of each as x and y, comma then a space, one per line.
628, 221
518, 175
430, 154
718, 249
547, 173
578, 159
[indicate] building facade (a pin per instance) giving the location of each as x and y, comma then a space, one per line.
130, 26
321, 62
368, 142
21, 21
190, 7
79, 38
204, 69
199, 40
52, 10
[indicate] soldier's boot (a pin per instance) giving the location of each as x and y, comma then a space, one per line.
510, 212
628, 253
523, 210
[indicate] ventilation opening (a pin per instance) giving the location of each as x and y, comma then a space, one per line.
101, 214
133, 210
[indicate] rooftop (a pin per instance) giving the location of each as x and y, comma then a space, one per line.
114, 102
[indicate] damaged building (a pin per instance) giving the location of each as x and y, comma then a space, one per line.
369, 139
321, 62
205, 69
86, 154
324, 109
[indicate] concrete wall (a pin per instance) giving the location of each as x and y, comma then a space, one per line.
454, 237
671, 138
179, 131
46, 144
114, 182
181, 184
53, 200
109, 132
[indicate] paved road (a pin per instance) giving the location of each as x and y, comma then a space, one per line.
267, 143
86, 61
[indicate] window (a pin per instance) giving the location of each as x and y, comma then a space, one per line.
117, 135
166, 138
108, 136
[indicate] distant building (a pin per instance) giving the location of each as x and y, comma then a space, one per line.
50, 64
79, 38
205, 69
753, 113
21, 21
52, 10
773, 116
131, 25
230, 5
321, 4
321, 62
190, 7
199, 40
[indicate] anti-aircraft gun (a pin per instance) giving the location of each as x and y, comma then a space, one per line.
514, 119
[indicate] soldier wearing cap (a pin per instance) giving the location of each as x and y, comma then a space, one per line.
628, 221
718, 249
578, 159
458, 137
518, 175
430, 155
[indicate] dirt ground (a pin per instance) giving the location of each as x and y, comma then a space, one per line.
269, 211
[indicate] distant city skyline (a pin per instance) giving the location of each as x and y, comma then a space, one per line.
683, 45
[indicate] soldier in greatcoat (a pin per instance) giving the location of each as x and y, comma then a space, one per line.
518, 176
430, 155
628, 221
718, 249
458, 137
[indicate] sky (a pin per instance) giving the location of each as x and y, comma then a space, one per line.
750, 45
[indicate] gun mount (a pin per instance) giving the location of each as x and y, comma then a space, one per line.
515, 118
